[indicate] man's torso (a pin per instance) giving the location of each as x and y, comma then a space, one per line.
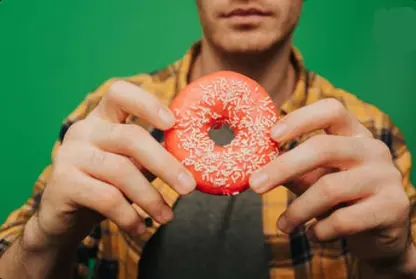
222, 236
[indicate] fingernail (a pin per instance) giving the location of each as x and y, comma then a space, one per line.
166, 116
187, 181
141, 229
166, 214
282, 224
278, 131
257, 179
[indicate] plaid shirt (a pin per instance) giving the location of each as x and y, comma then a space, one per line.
116, 254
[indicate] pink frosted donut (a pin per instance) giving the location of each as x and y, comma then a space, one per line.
223, 98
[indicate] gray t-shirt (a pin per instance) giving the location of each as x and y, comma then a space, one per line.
210, 237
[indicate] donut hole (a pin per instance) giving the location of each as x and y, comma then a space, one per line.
221, 133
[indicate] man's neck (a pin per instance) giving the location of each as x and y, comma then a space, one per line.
273, 70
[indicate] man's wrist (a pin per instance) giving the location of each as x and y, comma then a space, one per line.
403, 267
37, 255
35, 240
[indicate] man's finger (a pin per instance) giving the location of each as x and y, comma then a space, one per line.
328, 192
134, 142
319, 151
125, 98
121, 172
106, 200
328, 115
300, 184
362, 216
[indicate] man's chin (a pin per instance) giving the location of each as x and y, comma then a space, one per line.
248, 49
244, 45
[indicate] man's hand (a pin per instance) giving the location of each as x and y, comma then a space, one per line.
345, 180
98, 172
99, 169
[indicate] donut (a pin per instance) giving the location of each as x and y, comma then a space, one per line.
214, 100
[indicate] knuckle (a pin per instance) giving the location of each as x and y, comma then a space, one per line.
108, 198
147, 197
336, 107
130, 223
133, 131
61, 155
66, 151
395, 176
66, 154
313, 143
72, 154
62, 176
113, 91
130, 134
319, 140
338, 223
360, 144
153, 204
395, 235
287, 119
321, 147
404, 204
123, 167
372, 219
112, 132
79, 129
400, 204
364, 133
393, 238
98, 157
328, 189
120, 89
381, 149
116, 84
60, 172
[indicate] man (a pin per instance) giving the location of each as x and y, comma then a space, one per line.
335, 204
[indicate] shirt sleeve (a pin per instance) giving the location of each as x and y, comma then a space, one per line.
403, 160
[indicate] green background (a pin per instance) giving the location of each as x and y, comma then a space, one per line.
53, 52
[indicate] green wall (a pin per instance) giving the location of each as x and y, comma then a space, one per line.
53, 52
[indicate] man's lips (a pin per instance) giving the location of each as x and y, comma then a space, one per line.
246, 12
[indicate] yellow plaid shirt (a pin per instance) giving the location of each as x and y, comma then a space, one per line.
116, 254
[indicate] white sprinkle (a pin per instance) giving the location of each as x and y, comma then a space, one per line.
227, 166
